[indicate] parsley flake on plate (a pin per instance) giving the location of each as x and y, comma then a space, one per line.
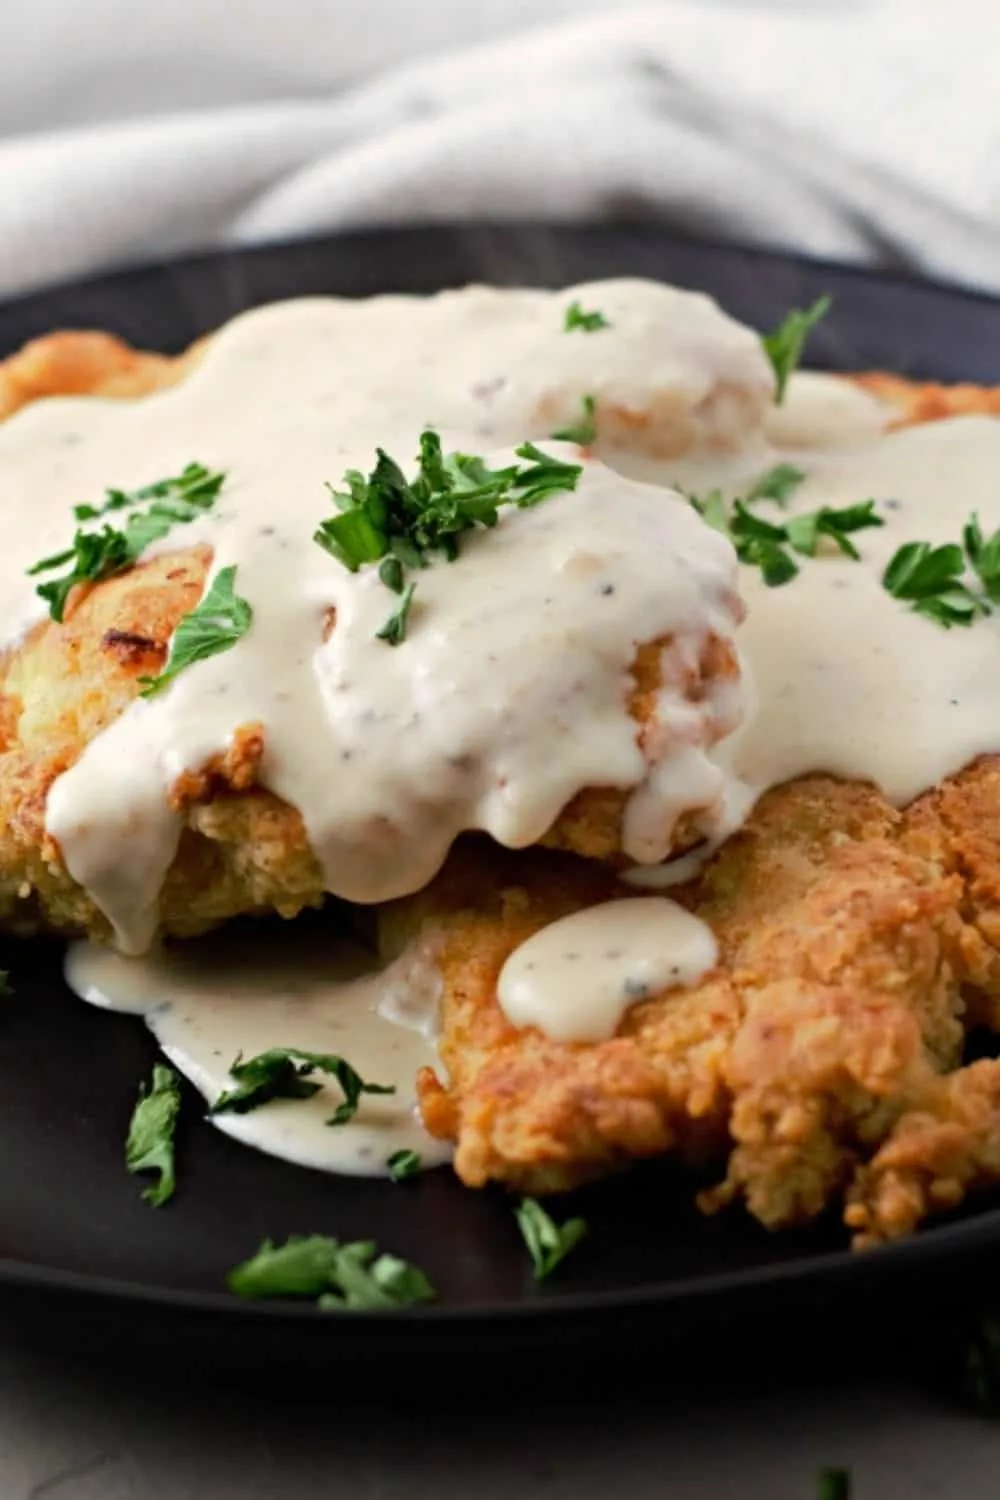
775, 484
785, 344
216, 624
282, 1073
548, 1242
586, 322
96, 555
401, 523
149, 1146
833, 1484
337, 1276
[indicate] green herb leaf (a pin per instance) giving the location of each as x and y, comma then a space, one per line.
215, 625
96, 555
584, 431
390, 573
194, 485
150, 1143
352, 537
364, 1279
764, 544
760, 543
545, 477
99, 555
403, 1164
984, 556
394, 629
398, 523
930, 580
776, 484
586, 322
712, 509
6, 988
804, 532
303, 1266
784, 346
282, 1073
776, 567
548, 1243
833, 1484
340, 1276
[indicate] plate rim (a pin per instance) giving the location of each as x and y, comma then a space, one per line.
926, 1247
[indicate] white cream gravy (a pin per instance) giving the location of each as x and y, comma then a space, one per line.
576, 978
208, 1001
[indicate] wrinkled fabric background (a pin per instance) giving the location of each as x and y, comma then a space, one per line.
866, 130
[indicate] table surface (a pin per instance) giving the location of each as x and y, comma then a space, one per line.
70, 1430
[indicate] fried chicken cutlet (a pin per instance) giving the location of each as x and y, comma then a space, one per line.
819, 1057
243, 847
243, 850
819, 1063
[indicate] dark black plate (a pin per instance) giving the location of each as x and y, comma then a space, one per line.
74, 1233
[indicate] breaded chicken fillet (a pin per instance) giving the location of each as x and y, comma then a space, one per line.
820, 1059
243, 850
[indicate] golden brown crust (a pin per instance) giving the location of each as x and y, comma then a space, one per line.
836, 991
85, 363
926, 401
242, 851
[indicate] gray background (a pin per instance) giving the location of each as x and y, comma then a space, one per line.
71, 1431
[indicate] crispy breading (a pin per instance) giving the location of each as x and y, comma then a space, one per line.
835, 996
85, 363
242, 849
926, 401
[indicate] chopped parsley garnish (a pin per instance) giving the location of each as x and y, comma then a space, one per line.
282, 1073
769, 545
96, 555
932, 579
150, 1143
403, 1164
548, 1243
776, 484
216, 624
784, 346
586, 322
399, 523
394, 629
833, 1484
984, 555
339, 1276
584, 431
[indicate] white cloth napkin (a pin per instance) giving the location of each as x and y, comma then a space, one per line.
866, 130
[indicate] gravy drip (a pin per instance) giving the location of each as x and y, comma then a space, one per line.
208, 1001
